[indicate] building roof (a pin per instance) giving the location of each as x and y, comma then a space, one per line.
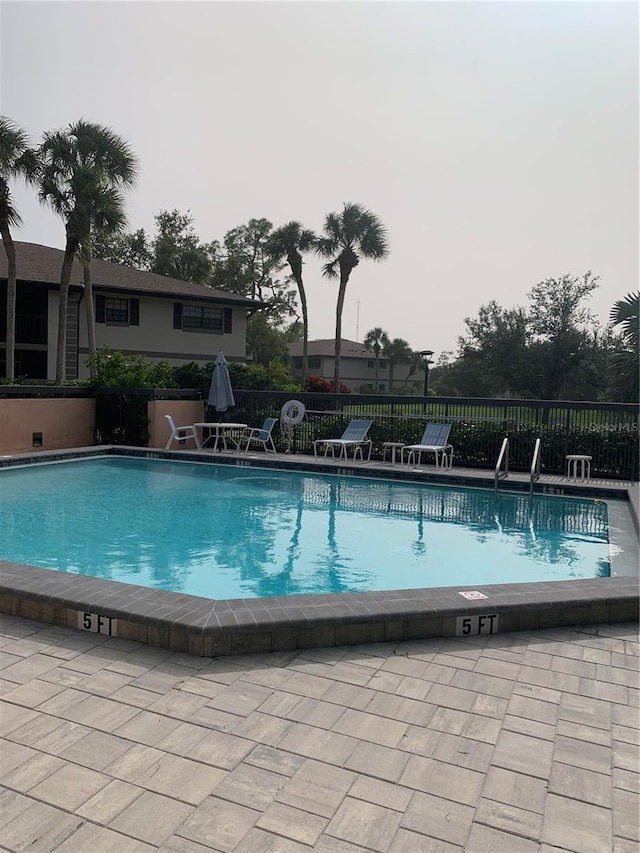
326, 347
43, 264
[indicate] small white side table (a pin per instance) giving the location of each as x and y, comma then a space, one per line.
579, 466
394, 446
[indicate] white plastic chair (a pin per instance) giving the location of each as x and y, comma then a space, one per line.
434, 440
181, 433
261, 435
355, 435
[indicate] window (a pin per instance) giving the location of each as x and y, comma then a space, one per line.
201, 318
314, 362
206, 319
117, 311
371, 364
383, 365
297, 363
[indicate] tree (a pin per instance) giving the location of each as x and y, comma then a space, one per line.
349, 235
289, 241
108, 217
397, 352
549, 350
176, 250
245, 265
16, 160
625, 313
84, 169
494, 350
266, 340
559, 319
416, 363
129, 250
376, 339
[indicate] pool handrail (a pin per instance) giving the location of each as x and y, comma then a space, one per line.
535, 465
504, 454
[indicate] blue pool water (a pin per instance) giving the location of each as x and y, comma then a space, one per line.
228, 532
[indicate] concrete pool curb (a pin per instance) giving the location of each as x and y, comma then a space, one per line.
205, 627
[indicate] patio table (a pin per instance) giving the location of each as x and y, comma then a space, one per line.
219, 432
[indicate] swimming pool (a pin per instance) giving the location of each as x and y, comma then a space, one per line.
224, 532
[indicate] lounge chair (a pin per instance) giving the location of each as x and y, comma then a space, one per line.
434, 440
353, 436
260, 435
181, 433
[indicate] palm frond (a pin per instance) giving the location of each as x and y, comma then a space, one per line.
13, 143
625, 308
326, 247
626, 313
330, 270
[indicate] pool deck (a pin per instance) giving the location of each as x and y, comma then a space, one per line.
522, 742
212, 628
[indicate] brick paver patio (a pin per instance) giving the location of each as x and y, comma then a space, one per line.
522, 743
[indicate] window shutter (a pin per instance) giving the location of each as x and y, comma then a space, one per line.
134, 312
177, 315
100, 309
227, 320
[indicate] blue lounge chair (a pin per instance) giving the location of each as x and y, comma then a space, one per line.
355, 435
260, 435
435, 440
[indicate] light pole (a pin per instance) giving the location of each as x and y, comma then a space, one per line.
425, 355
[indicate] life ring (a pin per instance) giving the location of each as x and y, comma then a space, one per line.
292, 413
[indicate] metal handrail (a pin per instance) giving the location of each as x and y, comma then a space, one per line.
535, 465
504, 453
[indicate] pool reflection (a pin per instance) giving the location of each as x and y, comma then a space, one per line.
226, 532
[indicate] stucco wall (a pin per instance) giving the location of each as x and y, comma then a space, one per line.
156, 338
183, 412
63, 424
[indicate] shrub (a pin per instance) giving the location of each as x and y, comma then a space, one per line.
114, 369
248, 377
323, 386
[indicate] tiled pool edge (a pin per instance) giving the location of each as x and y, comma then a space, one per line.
210, 628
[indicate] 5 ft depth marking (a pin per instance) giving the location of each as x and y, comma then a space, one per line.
97, 623
471, 626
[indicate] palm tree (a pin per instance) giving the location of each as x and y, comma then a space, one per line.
108, 218
288, 242
348, 236
84, 167
625, 313
376, 339
16, 160
397, 351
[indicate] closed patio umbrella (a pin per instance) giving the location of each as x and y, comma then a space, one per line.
220, 392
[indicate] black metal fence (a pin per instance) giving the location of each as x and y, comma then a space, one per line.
606, 431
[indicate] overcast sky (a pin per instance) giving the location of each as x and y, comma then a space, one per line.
498, 142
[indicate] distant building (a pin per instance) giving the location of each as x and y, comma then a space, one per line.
357, 366
135, 312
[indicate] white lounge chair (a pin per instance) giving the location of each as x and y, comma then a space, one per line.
260, 435
435, 440
181, 433
355, 435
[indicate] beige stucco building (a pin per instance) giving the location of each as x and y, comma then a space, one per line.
135, 312
357, 366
